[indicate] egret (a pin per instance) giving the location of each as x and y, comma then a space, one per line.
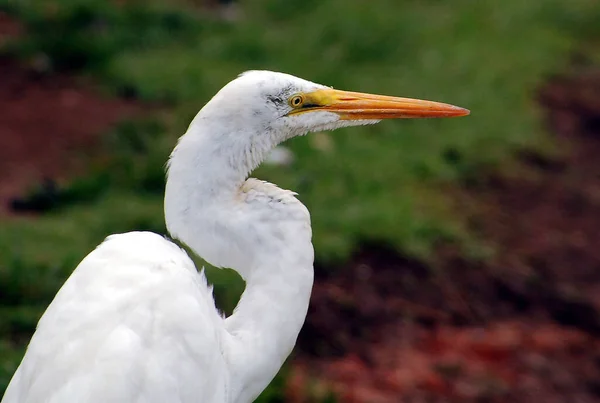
136, 321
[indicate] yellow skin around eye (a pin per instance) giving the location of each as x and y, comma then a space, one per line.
296, 101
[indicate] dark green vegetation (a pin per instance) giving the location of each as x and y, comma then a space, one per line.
380, 182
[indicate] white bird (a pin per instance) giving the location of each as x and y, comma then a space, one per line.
136, 322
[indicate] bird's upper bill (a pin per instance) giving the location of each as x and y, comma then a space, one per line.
359, 106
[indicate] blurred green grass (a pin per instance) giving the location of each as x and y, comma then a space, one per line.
378, 182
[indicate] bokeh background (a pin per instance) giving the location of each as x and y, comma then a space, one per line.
456, 260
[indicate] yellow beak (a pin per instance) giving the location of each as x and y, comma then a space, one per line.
360, 106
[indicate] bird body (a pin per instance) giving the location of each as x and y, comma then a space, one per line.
108, 336
136, 322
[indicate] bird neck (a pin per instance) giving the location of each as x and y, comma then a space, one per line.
258, 230
205, 166
266, 322
206, 173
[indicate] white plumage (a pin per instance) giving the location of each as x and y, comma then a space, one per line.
136, 322
109, 335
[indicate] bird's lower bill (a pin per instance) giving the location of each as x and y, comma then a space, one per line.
360, 106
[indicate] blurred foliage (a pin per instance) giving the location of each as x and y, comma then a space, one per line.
76, 34
376, 182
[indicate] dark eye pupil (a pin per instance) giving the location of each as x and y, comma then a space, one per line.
296, 101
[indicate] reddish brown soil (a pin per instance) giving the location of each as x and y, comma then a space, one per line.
46, 121
9, 28
523, 327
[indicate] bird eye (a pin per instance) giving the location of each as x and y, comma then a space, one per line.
296, 101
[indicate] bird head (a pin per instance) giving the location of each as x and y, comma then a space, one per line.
282, 106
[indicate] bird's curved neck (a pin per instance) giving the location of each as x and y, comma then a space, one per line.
202, 171
218, 160
266, 322
207, 208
